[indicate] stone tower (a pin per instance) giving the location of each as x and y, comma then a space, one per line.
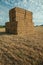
20, 22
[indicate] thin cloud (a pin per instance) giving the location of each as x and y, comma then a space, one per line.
36, 6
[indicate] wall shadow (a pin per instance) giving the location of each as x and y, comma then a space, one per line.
12, 27
4, 33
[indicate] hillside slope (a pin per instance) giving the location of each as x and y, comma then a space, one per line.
15, 50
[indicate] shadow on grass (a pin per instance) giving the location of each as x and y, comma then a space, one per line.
5, 33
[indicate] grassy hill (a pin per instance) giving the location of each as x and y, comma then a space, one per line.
2, 26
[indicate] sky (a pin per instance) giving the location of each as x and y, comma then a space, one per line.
35, 6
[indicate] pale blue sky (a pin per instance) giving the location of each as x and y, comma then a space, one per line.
35, 6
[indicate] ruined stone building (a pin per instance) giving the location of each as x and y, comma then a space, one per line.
20, 22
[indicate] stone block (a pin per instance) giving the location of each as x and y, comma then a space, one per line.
20, 22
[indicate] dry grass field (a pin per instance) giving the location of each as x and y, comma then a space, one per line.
15, 50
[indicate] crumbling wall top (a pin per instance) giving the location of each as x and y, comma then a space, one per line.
19, 10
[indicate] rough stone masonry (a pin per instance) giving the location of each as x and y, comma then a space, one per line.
20, 22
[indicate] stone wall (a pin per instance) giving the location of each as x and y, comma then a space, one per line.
11, 27
20, 22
